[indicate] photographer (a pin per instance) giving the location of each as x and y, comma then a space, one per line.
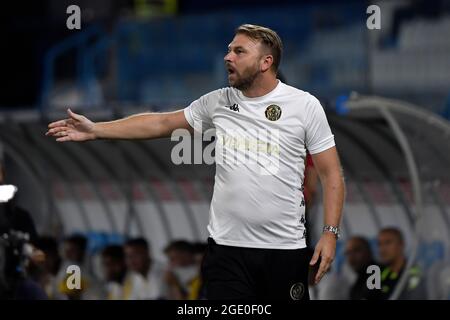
18, 256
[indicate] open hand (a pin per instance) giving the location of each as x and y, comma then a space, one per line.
75, 128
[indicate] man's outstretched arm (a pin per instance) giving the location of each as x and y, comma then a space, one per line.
139, 126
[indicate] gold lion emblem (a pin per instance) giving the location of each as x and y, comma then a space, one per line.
273, 112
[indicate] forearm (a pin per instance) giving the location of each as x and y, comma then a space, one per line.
139, 126
333, 198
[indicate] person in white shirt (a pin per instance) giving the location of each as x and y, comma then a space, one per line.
146, 277
264, 129
182, 267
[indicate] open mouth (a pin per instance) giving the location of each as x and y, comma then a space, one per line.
230, 70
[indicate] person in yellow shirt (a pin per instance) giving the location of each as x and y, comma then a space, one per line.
117, 285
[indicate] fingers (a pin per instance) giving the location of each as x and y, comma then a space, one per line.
63, 139
62, 123
323, 268
57, 131
63, 133
315, 257
58, 123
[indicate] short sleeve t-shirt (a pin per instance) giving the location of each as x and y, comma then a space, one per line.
260, 152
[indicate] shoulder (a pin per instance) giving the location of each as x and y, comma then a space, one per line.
217, 94
302, 96
209, 100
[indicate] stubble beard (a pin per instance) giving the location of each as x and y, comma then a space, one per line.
247, 79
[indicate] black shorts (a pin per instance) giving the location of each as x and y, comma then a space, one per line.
250, 273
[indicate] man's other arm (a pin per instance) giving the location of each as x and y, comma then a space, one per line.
140, 126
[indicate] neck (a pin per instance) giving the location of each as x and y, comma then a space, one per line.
146, 269
120, 277
261, 86
398, 264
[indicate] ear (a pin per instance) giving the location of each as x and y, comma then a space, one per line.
266, 62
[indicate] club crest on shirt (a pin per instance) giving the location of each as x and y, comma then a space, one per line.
273, 112
297, 291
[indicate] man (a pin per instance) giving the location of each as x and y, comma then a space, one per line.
115, 272
75, 249
180, 253
197, 286
74, 253
359, 257
391, 246
19, 271
183, 270
52, 264
257, 235
147, 276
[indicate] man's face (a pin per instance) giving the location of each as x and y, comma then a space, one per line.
390, 247
179, 258
52, 261
243, 61
113, 268
72, 252
136, 258
357, 255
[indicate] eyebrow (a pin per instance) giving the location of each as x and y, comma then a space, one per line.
237, 47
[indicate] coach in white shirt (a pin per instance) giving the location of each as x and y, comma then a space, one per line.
264, 129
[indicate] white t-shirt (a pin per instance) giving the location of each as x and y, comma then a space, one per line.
152, 287
260, 156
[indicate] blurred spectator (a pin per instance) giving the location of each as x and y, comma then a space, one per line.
332, 286
29, 286
196, 288
359, 257
49, 246
147, 276
51, 265
74, 250
183, 274
113, 262
391, 250
13, 216
180, 254
20, 261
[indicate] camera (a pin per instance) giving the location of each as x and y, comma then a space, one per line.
15, 247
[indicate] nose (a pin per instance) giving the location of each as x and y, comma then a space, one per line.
227, 57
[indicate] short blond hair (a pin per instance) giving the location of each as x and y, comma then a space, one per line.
268, 38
